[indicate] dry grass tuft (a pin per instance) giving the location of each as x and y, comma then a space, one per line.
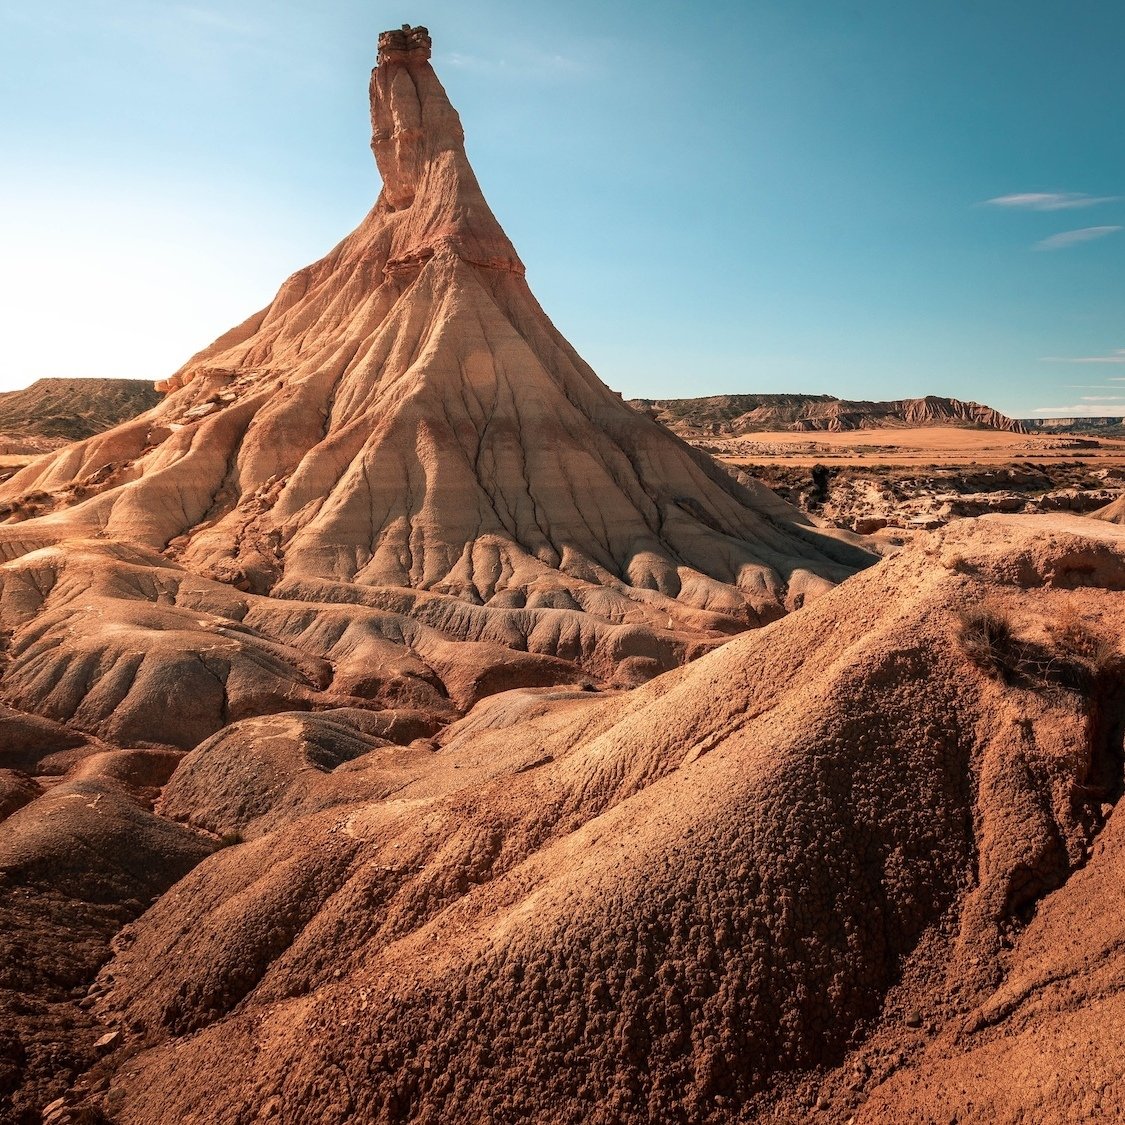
986, 638
1078, 657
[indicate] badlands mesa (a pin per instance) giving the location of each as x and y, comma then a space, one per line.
397, 726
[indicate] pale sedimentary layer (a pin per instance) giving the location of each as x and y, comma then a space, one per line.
404, 415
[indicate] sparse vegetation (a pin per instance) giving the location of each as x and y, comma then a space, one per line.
1076, 637
1077, 657
986, 638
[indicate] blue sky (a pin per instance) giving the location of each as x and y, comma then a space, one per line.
738, 197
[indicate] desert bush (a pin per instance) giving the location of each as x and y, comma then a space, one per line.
1090, 653
1078, 656
1074, 635
986, 638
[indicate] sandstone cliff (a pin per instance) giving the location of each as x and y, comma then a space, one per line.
741, 414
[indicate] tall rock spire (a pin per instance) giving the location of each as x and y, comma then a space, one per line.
404, 415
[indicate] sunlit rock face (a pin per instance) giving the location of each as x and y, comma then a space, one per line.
404, 415
314, 806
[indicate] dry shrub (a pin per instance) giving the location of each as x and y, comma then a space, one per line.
1078, 657
1085, 647
986, 638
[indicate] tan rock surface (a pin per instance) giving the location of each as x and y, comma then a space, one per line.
690, 901
404, 415
335, 813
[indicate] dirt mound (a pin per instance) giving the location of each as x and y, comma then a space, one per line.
1113, 512
742, 414
826, 865
76, 864
52, 412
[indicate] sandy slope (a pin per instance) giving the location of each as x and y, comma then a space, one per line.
689, 902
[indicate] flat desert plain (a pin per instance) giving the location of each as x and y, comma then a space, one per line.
926, 445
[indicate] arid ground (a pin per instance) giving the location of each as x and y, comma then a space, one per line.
397, 726
933, 446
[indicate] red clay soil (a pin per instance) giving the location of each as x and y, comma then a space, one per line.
854, 864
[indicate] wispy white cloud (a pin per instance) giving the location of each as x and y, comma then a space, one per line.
1116, 356
526, 64
1068, 238
1051, 200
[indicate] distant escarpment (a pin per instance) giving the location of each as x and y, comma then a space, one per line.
744, 414
1109, 426
53, 412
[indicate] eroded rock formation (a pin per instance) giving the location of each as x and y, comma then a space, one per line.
404, 415
317, 804
395, 492
742, 414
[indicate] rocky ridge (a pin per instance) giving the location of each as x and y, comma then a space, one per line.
1113, 426
53, 412
731, 415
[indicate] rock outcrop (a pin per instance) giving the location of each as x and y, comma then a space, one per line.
404, 416
831, 868
52, 412
1091, 428
742, 414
